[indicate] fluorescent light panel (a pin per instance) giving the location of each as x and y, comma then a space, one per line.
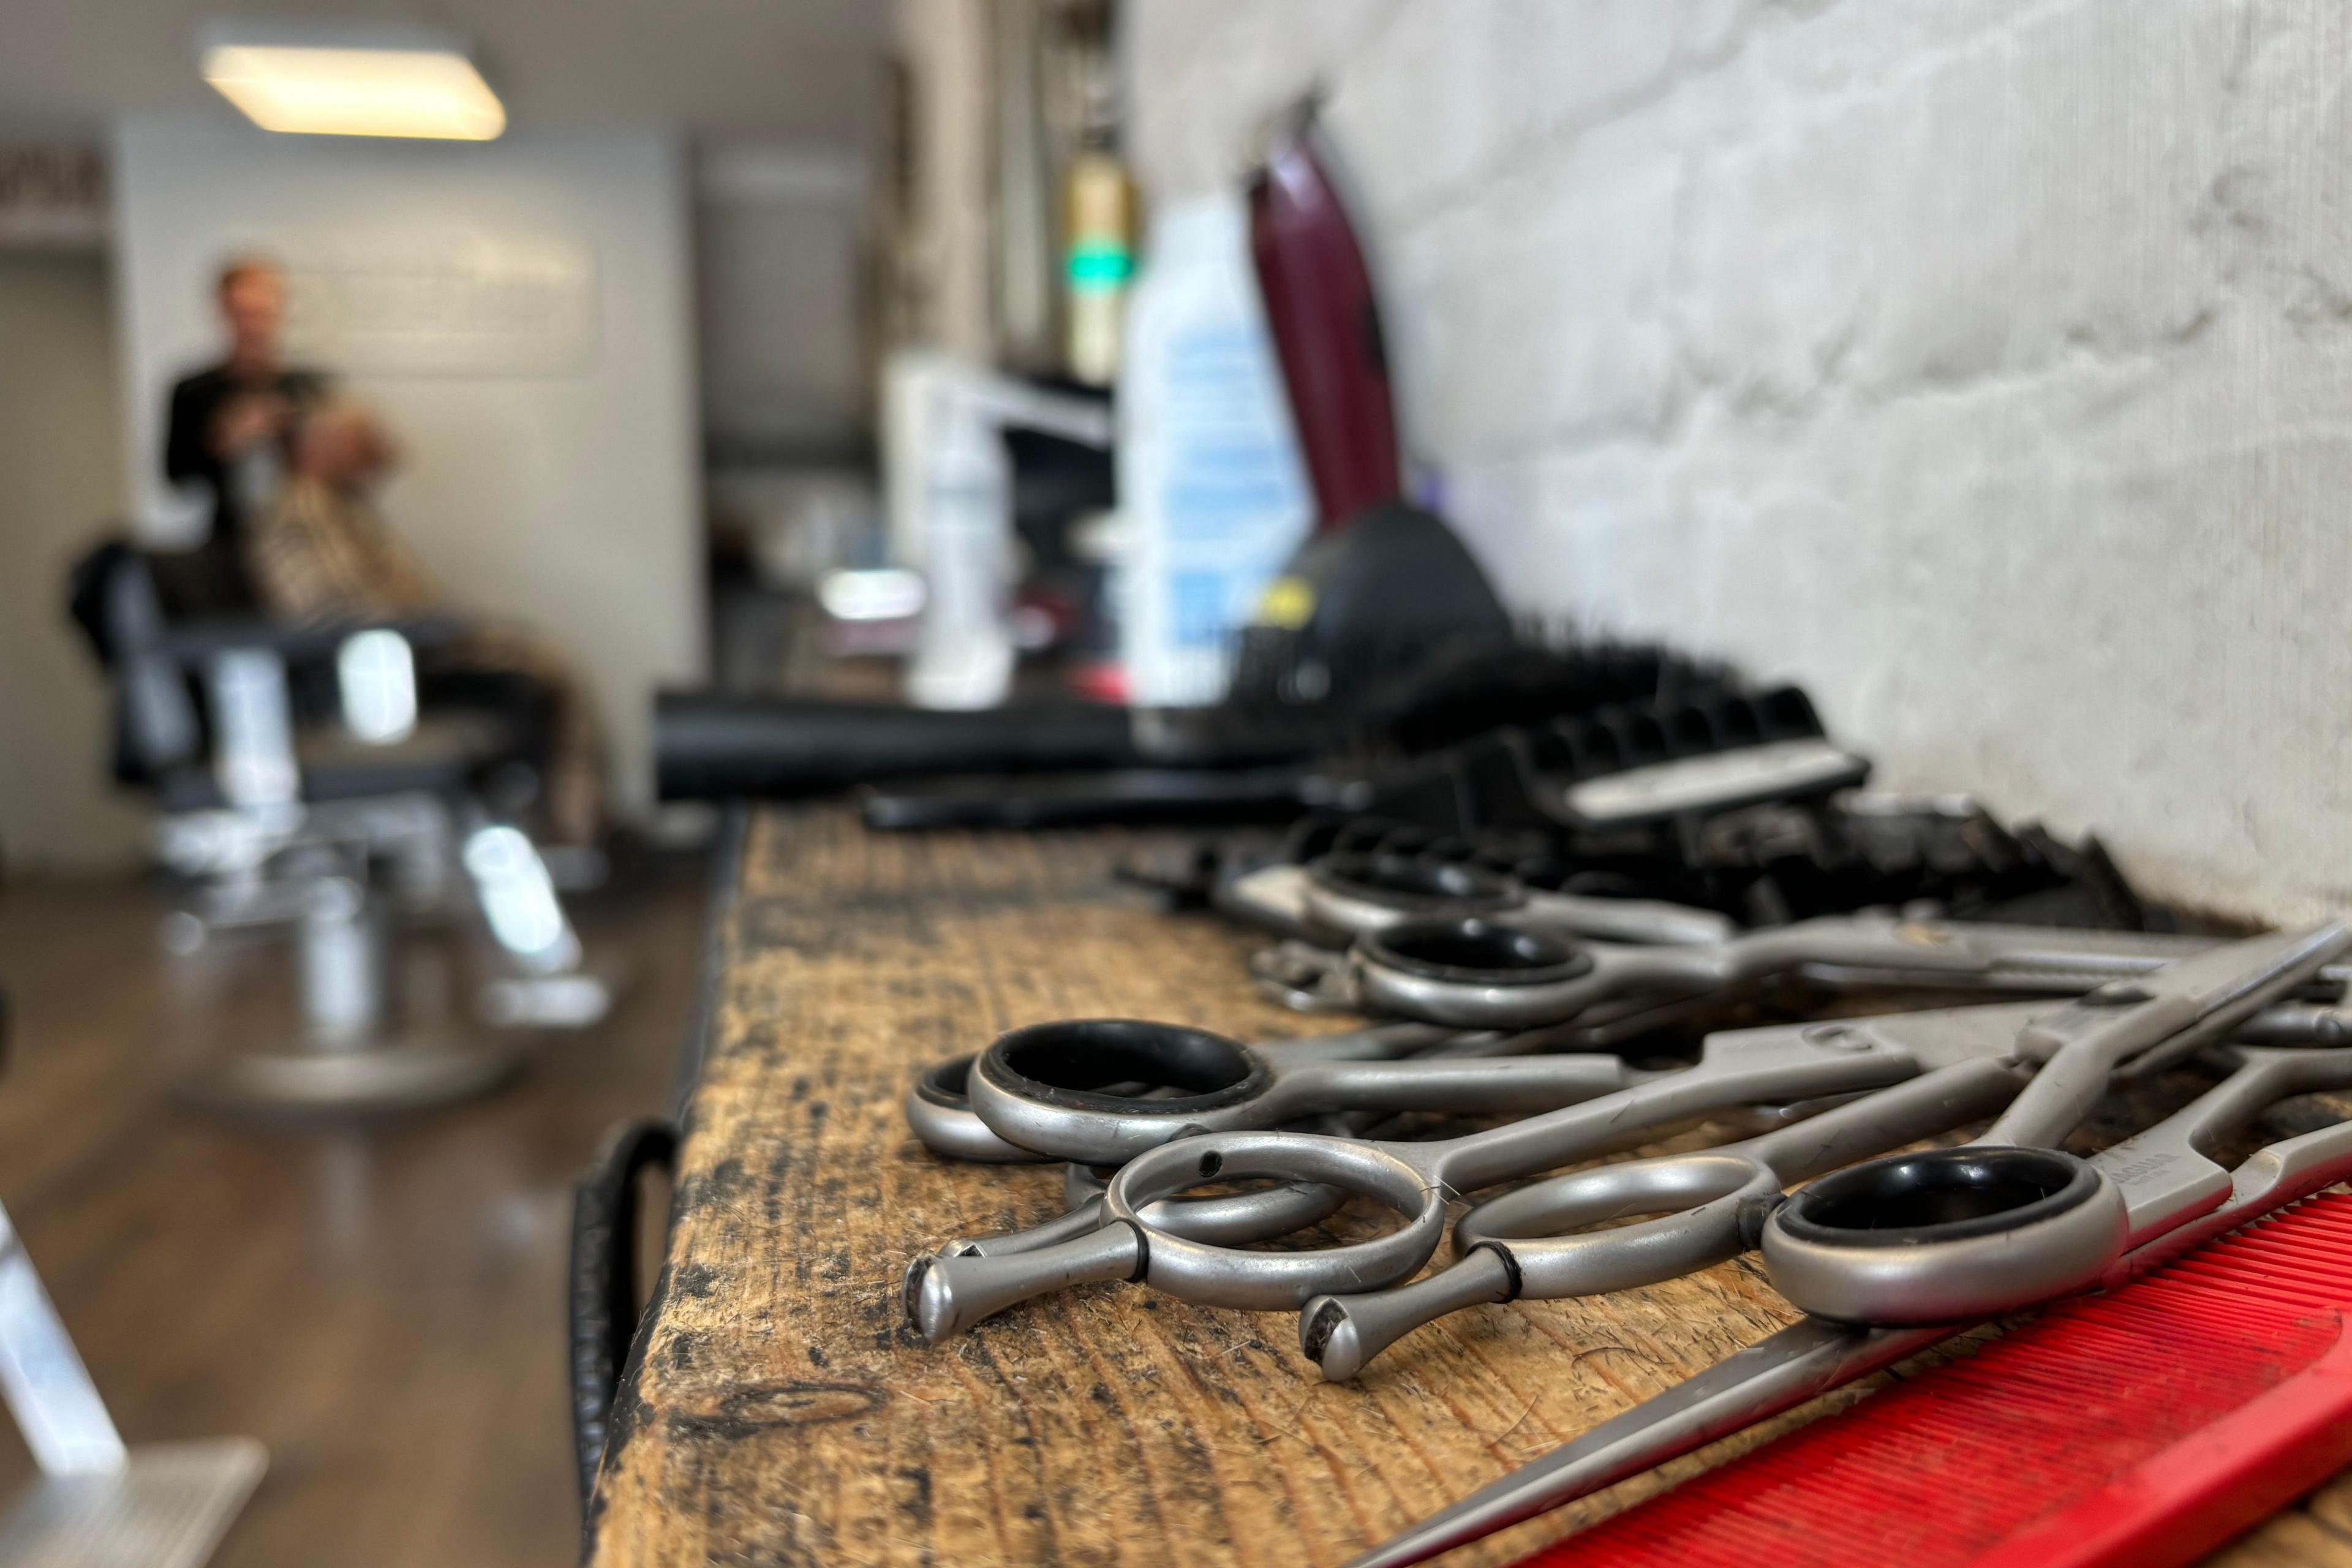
347, 83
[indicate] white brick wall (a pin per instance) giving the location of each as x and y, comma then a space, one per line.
1984, 364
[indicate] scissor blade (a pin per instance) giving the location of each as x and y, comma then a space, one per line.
2151, 1019
1806, 1359
2270, 967
2176, 1007
2230, 975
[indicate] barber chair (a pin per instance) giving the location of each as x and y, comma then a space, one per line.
301, 785
94, 1500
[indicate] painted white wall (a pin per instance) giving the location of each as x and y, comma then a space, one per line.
779, 236
60, 484
556, 480
945, 253
1984, 364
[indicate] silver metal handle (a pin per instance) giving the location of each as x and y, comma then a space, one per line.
1468, 1085
1792, 1366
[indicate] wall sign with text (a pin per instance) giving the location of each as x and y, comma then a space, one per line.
418, 303
52, 193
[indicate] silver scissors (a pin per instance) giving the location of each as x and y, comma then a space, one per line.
939, 1110
949, 1290
1265, 1212
1706, 1205
948, 1293
1042, 1087
1317, 909
1418, 1180
1261, 1214
939, 1106
1340, 895
960, 1294
1893, 1255
1474, 973
1351, 893
1063, 1089
1711, 1204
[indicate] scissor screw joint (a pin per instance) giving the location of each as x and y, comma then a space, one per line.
1838, 1037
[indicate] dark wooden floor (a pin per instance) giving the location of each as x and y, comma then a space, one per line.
381, 1306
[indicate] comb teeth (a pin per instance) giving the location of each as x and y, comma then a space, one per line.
1948, 1468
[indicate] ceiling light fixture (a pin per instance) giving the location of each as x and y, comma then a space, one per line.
359, 80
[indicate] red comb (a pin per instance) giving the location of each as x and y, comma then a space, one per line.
2138, 1429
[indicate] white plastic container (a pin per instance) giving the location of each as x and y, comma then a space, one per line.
1214, 494
950, 501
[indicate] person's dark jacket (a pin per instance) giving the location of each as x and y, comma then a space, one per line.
214, 569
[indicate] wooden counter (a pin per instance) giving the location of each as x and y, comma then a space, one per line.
778, 1411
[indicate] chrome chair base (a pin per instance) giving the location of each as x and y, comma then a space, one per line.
166, 1507
380, 1077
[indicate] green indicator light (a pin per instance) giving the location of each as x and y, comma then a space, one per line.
1095, 268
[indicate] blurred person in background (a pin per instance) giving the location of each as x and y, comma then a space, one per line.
322, 551
228, 430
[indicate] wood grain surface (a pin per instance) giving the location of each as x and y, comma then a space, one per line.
778, 1411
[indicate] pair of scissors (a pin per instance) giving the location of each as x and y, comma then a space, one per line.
1712, 1205
950, 1291
1057, 1088
1891, 1257
1318, 907
959, 1295
1536, 1244
1348, 893
1260, 1215
937, 1108
1419, 1180
1473, 973
1064, 1090
1339, 895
